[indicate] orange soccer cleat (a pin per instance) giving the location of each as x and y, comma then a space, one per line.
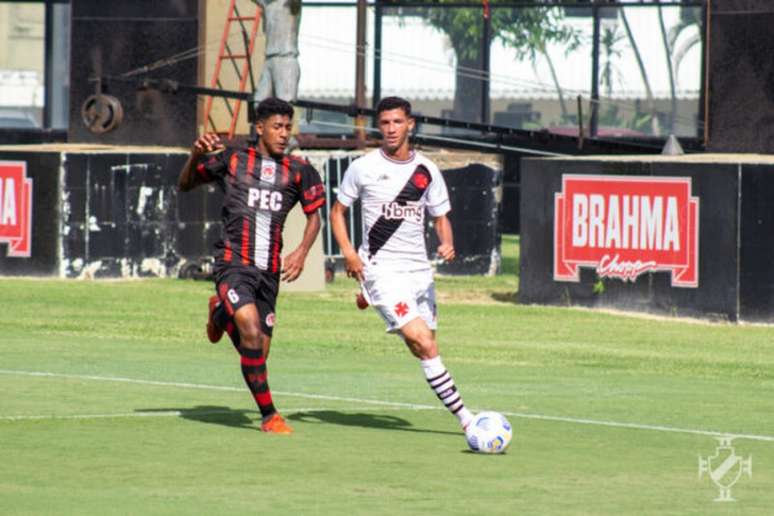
276, 424
213, 332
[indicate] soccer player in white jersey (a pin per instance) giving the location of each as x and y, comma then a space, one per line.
396, 186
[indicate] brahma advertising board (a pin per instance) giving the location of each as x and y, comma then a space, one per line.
625, 226
16, 208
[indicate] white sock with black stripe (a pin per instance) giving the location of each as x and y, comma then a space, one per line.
443, 384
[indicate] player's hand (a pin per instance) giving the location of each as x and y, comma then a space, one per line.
354, 265
208, 142
293, 265
446, 251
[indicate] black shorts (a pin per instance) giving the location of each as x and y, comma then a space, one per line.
239, 285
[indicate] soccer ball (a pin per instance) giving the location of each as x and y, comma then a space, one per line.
489, 432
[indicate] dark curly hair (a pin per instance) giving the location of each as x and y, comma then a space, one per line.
272, 106
389, 103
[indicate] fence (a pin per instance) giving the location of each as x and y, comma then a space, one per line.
332, 167
623, 69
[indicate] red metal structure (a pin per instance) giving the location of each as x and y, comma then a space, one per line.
243, 72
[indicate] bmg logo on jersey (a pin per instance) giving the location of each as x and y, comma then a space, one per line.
265, 199
403, 211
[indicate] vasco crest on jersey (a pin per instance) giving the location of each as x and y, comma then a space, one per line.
421, 177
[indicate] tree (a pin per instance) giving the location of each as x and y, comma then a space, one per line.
609, 43
670, 70
528, 30
531, 37
643, 74
690, 18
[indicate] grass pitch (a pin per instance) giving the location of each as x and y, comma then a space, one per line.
113, 402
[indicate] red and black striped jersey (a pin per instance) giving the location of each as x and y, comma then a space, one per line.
259, 194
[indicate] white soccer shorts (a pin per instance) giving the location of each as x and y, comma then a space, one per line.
402, 297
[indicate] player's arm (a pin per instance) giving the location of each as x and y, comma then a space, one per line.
189, 178
353, 263
443, 229
293, 264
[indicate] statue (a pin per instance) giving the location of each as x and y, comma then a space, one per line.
281, 71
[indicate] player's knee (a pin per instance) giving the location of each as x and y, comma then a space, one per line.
250, 335
423, 346
428, 348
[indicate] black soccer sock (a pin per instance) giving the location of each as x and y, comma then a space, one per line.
220, 316
233, 334
254, 371
225, 322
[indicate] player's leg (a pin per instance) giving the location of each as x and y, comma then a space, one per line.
265, 302
253, 362
421, 341
419, 335
406, 302
220, 319
238, 289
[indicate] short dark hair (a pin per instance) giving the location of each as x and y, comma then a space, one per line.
272, 106
389, 103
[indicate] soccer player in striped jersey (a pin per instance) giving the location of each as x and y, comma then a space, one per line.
396, 186
260, 186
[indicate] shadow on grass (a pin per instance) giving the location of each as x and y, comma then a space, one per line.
250, 419
214, 415
366, 420
506, 297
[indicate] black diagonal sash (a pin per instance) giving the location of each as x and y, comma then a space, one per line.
412, 191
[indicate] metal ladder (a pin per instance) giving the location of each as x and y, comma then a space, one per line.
243, 73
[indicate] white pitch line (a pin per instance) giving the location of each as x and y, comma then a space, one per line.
413, 406
166, 413
640, 426
162, 413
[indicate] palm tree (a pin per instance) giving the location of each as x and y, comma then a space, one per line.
643, 73
539, 28
668, 53
689, 17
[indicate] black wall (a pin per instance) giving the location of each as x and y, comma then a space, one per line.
741, 76
119, 214
125, 217
473, 192
736, 257
756, 278
509, 212
43, 169
112, 215
112, 38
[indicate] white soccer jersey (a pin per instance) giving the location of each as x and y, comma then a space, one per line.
394, 196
